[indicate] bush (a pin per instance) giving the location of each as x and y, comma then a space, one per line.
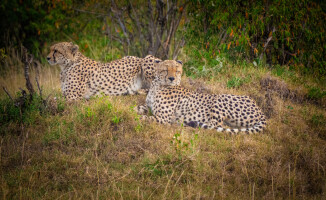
24, 113
34, 23
278, 32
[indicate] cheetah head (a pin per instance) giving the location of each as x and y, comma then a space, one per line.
168, 72
62, 53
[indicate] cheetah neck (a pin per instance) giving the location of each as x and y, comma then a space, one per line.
153, 91
72, 62
79, 57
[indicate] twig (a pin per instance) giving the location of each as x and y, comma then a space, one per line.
120, 21
5, 89
265, 45
27, 59
178, 48
90, 12
136, 22
37, 77
150, 28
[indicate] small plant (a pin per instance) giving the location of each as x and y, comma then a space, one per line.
61, 104
289, 107
89, 113
110, 106
116, 119
158, 168
139, 125
9, 112
18, 112
316, 93
53, 134
278, 70
181, 146
203, 64
234, 82
318, 120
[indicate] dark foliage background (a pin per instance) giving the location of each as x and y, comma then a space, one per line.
281, 32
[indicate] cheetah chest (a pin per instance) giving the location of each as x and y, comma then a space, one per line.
137, 84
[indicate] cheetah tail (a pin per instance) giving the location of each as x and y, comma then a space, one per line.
258, 127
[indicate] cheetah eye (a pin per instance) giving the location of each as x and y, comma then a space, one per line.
55, 51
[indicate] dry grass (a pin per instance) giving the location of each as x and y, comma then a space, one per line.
99, 149
12, 76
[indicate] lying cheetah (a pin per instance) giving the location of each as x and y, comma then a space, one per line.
82, 77
170, 103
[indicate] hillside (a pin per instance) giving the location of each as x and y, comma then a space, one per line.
99, 149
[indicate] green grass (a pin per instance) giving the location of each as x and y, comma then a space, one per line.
316, 93
100, 149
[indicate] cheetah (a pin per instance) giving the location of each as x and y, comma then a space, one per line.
171, 103
82, 77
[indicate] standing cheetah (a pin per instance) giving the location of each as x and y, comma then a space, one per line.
82, 77
169, 103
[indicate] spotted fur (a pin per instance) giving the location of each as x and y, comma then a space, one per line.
171, 103
82, 77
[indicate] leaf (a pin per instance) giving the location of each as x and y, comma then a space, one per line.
249, 42
229, 45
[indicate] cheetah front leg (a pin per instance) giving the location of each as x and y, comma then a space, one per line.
153, 119
141, 110
143, 91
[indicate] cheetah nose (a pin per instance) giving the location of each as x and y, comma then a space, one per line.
48, 58
171, 78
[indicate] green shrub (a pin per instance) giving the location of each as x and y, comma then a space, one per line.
316, 93
27, 112
281, 32
234, 82
318, 120
34, 23
202, 64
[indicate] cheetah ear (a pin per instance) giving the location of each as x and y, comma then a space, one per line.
180, 62
74, 48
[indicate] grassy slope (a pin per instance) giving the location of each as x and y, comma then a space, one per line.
99, 148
